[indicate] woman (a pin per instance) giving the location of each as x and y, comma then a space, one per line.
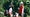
10, 10
21, 9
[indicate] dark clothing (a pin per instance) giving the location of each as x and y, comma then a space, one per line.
19, 14
25, 11
25, 15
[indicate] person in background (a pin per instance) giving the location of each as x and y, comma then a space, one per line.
6, 8
26, 10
